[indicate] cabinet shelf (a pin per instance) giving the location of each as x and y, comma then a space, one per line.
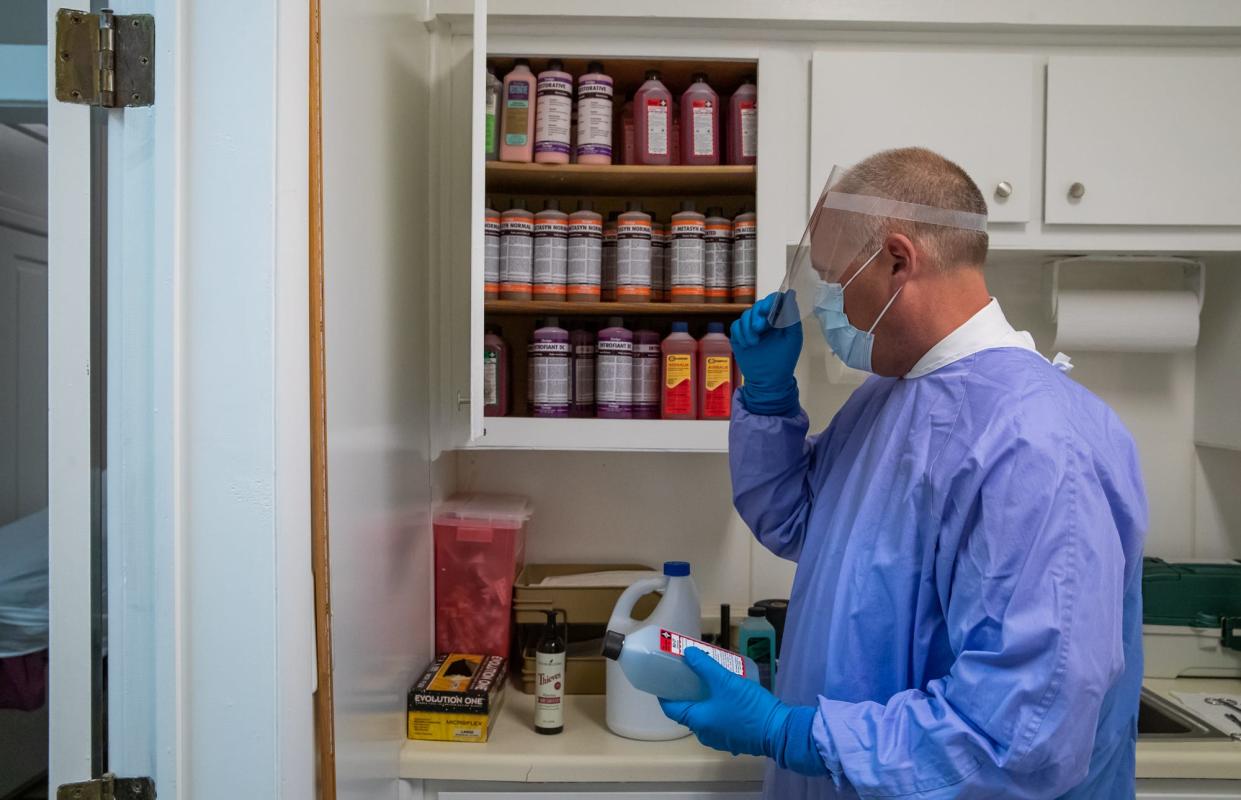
559, 308
650, 435
619, 180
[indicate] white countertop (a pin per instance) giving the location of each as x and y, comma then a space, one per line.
587, 752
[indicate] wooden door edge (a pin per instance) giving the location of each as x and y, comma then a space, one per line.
325, 736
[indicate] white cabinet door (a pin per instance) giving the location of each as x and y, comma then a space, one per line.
980, 110
458, 185
1150, 140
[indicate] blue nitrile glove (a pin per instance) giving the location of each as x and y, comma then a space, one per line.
740, 716
767, 356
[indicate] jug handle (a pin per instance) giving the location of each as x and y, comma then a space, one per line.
636, 591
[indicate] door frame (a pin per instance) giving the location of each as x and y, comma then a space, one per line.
210, 625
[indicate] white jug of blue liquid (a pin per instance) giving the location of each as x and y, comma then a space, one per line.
652, 658
631, 712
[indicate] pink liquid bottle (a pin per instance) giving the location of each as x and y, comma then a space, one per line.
678, 393
614, 371
517, 117
675, 156
496, 380
594, 116
743, 124
715, 374
627, 134
554, 114
646, 374
652, 122
700, 124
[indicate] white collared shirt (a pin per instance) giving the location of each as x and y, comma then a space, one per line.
985, 330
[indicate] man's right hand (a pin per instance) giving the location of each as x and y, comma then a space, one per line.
767, 357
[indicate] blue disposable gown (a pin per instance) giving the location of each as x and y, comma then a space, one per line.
966, 613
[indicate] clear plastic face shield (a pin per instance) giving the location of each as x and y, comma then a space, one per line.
842, 235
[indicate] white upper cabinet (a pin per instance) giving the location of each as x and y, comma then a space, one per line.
1143, 140
982, 110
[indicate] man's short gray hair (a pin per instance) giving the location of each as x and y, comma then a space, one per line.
918, 175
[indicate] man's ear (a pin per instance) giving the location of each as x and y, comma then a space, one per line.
906, 261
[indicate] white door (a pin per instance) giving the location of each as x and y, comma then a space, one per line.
980, 110
1143, 140
206, 499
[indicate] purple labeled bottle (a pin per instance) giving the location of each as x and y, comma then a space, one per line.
582, 342
549, 370
614, 371
646, 363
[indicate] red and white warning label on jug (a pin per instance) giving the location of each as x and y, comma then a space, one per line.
676, 644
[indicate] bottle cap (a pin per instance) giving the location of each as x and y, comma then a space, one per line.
715, 211
757, 611
616, 322
521, 62
551, 204
517, 203
676, 569
487, 202
652, 74
613, 643
633, 205
715, 327
680, 327
585, 205
556, 64
686, 205
551, 322
494, 329
700, 77
751, 78
595, 66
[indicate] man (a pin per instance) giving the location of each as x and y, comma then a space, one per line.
965, 619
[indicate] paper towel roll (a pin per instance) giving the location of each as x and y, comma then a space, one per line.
1126, 321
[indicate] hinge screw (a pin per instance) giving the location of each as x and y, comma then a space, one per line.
64, 55
144, 60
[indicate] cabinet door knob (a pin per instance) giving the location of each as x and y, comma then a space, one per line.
1077, 190
1003, 189
462, 401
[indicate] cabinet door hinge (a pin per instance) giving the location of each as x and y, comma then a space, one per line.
105, 59
109, 787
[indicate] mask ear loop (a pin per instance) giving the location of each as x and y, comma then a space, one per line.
885, 310
862, 269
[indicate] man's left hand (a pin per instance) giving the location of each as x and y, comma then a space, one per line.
740, 716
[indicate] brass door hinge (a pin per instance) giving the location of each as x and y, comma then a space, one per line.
109, 787
105, 59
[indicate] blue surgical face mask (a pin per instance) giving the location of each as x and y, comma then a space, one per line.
851, 345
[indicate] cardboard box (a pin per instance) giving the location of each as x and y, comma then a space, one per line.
457, 698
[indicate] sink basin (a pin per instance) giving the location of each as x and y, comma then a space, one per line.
1162, 720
